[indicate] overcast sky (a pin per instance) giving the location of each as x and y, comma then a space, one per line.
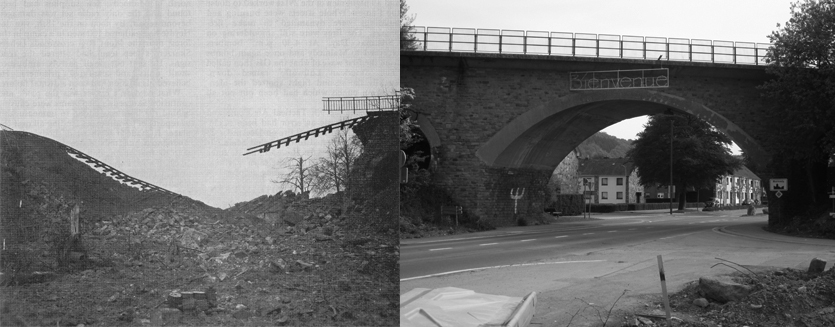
173, 93
736, 20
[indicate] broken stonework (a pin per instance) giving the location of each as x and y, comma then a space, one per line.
816, 266
166, 317
722, 289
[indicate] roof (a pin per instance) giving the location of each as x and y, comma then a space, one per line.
745, 172
603, 167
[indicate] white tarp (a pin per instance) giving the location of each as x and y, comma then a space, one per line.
451, 306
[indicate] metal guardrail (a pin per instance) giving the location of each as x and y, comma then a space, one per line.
453, 39
367, 103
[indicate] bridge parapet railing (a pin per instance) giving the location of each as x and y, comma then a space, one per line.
367, 103
481, 40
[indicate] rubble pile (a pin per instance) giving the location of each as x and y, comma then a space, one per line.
772, 297
282, 259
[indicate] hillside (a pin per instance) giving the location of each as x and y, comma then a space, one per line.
602, 145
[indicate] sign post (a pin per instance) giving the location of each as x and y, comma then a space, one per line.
778, 185
832, 196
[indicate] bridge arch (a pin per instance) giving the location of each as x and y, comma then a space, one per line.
541, 137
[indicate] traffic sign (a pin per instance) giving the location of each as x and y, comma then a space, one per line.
778, 194
778, 184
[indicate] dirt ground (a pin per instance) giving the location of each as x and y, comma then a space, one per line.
779, 297
146, 259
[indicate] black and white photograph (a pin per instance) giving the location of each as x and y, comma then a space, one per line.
199, 163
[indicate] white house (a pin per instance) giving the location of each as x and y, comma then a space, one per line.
610, 180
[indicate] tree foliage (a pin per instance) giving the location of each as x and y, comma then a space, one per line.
801, 59
407, 40
701, 155
408, 125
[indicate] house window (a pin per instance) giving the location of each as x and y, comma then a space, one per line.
604, 195
620, 181
620, 195
604, 181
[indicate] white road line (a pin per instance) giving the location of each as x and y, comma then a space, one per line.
487, 244
560, 236
681, 235
496, 267
533, 239
612, 231
439, 249
588, 233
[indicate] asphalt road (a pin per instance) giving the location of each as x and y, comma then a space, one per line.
426, 257
575, 267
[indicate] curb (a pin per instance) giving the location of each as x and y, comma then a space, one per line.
781, 239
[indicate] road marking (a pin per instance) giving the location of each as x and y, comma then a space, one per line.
588, 233
561, 236
681, 235
533, 239
497, 267
439, 249
488, 244
631, 229
612, 231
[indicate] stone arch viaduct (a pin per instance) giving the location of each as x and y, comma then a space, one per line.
501, 121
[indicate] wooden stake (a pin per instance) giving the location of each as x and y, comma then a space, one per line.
664, 290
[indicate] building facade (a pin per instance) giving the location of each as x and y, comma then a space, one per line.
743, 186
609, 180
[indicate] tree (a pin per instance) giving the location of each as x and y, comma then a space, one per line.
801, 123
701, 154
407, 40
333, 170
300, 175
408, 125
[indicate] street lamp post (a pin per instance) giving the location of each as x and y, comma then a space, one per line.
670, 187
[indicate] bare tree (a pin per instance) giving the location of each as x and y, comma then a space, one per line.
300, 175
332, 170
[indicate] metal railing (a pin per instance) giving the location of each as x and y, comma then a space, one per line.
451, 39
367, 103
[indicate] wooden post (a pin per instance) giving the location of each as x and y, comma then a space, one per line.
664, 290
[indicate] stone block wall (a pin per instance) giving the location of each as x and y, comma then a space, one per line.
470, 98
375, 177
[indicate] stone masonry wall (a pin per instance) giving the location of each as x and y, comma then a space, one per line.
469, 98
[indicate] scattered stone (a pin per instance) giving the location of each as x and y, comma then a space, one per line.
816, 266
242, 314
722, 289
801, 289
320, 238
166, 317
222, 276
756, 306
645, 321
113, 298
278, 265
827, 310
701, 302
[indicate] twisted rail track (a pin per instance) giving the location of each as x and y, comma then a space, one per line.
108, 170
